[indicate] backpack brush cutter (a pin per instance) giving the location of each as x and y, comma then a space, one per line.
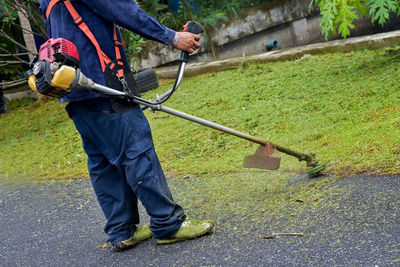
55, 72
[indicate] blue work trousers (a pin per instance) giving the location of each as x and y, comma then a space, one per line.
124, 167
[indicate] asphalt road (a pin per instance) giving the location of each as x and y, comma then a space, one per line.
61, 224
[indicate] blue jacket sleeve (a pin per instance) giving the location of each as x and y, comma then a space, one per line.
127, 14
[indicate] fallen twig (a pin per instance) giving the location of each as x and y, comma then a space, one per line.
289, 234
273, 235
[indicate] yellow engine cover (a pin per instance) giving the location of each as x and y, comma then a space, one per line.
63, 77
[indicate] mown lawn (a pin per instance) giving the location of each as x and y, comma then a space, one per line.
343, 107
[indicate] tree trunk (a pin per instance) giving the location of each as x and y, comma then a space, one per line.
28, 36
29, 43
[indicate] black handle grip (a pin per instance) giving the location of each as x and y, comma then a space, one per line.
193, 27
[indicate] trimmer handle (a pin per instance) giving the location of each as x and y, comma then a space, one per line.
193, 27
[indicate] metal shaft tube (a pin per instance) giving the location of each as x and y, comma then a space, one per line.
107, 90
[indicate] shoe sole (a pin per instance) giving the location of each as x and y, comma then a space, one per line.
131, 245
175, 240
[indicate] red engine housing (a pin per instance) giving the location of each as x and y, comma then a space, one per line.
60, 50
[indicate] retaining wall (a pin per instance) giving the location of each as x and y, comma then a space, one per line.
290, 22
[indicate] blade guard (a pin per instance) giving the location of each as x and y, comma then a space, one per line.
266, 157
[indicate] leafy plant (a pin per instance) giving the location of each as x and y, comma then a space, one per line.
380, 10
337, 16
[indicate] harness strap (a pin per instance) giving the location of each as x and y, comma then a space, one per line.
117, 44
120, 72
50, 7
82, 25
103, 58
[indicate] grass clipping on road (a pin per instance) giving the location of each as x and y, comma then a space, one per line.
343, 107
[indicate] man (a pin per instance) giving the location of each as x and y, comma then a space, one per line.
122, 163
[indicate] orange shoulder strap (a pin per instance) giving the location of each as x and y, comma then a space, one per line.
117, 43
50, 7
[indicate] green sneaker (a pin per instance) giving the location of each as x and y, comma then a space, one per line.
189, 229
142, 233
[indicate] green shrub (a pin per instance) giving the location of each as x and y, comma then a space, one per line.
337, 16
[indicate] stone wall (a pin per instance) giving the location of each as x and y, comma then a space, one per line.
248, 23
290, 22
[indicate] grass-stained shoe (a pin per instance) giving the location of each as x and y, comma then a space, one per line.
189, 229
142, 233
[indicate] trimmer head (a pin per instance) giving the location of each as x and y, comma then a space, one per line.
266, 157
316, 170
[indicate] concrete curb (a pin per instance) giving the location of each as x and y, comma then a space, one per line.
374, 41
20, 95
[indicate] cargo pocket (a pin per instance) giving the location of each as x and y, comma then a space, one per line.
140, 139
150, 192
135, 150
145, 182
140, 171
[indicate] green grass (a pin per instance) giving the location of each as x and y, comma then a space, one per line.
39, 142
343, 107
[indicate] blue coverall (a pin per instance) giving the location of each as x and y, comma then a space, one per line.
122, 163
